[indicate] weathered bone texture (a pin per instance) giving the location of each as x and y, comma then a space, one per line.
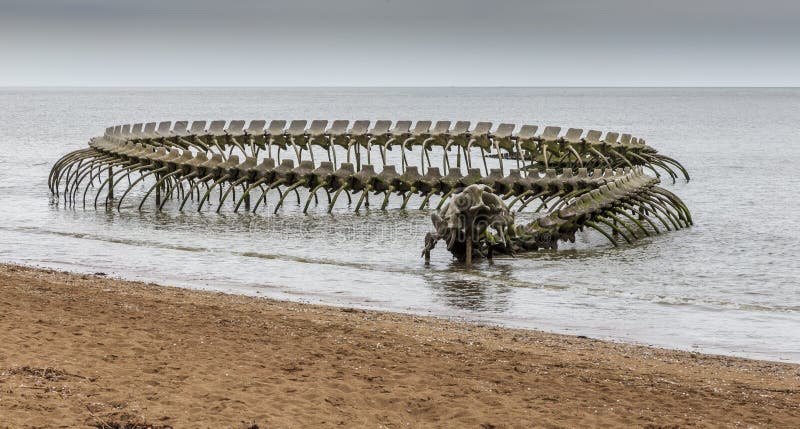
627, 205
183, 164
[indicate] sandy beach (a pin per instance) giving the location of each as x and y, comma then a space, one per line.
88, 351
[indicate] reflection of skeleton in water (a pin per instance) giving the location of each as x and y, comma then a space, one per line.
479, 294
602, 184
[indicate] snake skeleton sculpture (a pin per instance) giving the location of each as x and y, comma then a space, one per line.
606, 183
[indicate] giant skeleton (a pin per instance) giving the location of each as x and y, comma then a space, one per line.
573, 180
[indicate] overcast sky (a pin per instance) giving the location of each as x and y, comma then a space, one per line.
399, 43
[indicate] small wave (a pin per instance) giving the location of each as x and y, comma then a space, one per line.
320, 261
724, 305
131, 242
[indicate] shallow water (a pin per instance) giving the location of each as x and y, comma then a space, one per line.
727, 285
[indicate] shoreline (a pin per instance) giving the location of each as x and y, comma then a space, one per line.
82, 350
615, 334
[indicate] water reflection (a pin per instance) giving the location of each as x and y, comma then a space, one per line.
470, 295
485, 288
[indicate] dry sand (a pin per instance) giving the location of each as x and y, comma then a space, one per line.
78, 351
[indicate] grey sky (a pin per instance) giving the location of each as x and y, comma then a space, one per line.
399, 43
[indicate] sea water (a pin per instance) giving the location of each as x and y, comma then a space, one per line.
727, 285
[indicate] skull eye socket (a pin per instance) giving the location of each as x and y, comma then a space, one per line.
463, 202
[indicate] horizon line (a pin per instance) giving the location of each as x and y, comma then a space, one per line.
397, 86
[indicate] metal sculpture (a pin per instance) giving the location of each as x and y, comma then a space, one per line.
602, 184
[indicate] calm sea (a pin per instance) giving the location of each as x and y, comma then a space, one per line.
728, 285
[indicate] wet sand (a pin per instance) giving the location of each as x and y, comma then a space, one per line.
87, 351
